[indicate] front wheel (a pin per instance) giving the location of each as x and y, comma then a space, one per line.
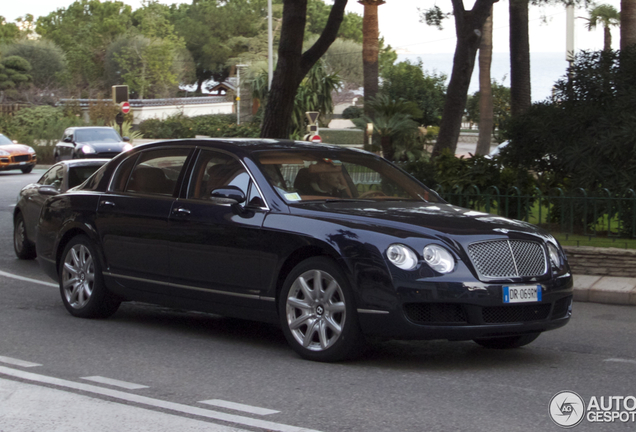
24, 248
507, 342
26, 170
317, 312
82, 287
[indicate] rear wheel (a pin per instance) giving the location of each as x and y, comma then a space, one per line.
507, 342
317, 312
24, 248
82, 287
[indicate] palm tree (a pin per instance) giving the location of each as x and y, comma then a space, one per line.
628, 23
486, 116
520, 89
607, 16
370, 49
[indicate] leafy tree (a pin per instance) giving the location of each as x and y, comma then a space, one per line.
318, 15
84, 30
392, 121
47, 60
344, 57
293, 64
8, 31
14, 74
408, 81
607, 16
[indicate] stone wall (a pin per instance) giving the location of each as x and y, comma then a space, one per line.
585, 260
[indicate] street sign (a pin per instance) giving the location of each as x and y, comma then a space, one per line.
120, 93
312, 116
316, 139
125, 107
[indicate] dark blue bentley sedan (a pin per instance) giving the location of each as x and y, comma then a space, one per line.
332, 244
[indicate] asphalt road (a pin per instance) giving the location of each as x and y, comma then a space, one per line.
166, 362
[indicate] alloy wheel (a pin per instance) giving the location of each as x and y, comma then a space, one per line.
315, 310
78, 276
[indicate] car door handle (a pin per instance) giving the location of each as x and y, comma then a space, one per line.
181, 212
106, 204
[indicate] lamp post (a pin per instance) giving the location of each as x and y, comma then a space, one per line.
238, 92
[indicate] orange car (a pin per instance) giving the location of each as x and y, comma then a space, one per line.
16, 156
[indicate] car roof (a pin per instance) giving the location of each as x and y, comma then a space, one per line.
251, 145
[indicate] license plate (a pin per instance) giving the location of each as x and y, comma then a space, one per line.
22, 163
522, 294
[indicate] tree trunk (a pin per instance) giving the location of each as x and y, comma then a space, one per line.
520, 92
486, 119
293, 65
387, 147
607, 40
628, 23
468, 26
370, 50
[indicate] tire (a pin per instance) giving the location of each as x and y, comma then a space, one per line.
24, 248
319, 325
507, 342
26, 170
82, 287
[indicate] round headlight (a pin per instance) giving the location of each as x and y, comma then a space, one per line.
88, 149
402, 256
439, 258
555, 257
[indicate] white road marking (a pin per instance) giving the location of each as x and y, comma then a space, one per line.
17, 362
239, 407
619, 360
157, 403
22, 278
114, 382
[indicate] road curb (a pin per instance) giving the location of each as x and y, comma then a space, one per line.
605, 289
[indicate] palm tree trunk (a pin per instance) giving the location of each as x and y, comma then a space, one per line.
520, 91
607, 40
486, 119
370, 49
628, 23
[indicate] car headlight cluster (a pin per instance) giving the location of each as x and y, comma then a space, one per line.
437, 257
88, 149
555, 257
4, 153
31, 151
127, 147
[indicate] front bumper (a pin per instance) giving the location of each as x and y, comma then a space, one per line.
464, 311
14, 162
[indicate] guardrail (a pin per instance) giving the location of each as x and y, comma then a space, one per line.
582, 212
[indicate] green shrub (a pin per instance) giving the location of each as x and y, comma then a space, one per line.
341, 136
352, 112
180, 126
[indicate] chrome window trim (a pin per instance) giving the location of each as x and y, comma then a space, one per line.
232, 155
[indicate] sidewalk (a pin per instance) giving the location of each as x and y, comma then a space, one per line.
605, 289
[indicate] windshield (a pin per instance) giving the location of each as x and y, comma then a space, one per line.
4, 140
311, 175
97, 135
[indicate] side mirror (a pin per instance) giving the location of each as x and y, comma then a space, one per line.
48, 190
228, 195
126, 139
67, 140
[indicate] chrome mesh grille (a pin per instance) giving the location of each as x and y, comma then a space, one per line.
508, 258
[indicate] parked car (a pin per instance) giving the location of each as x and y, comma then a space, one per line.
90, 142
332, 244
15, 156
58, 179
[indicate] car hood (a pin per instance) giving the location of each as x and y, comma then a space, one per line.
15, 149
429, 219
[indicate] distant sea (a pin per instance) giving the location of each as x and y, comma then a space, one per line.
545, 70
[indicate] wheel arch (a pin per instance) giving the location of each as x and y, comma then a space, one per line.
69, 235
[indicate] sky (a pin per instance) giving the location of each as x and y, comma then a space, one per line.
400, 26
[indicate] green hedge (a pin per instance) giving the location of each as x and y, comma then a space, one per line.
180, 126
342, 136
